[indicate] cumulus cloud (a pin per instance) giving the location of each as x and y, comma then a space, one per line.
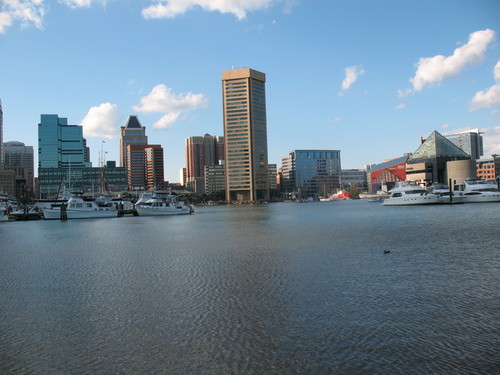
491, 141
161, 99
102, 121
431, 71
172, 8
352, 73
27, 12
490, 97
32, 12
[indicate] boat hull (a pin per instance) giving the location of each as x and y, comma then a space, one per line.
163, 211
412, 201
481, 198
55, 214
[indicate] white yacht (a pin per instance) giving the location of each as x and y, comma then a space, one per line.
77, 208
407, 193
444, 194
161, 204
477, 190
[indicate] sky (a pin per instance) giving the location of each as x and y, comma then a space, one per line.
366, 77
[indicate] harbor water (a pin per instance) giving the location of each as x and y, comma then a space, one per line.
283, 288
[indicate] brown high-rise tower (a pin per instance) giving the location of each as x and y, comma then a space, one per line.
245, 135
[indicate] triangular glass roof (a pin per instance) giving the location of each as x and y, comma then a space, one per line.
133, 122
437, 146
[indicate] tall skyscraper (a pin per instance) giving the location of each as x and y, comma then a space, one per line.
19, 157
245, 135
201, 152
1, 135
133, 133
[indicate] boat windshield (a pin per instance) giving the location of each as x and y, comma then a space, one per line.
416, 191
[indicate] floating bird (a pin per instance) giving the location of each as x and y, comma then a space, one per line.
387, 251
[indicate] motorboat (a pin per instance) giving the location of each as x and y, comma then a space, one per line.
161, 204
478, 190
445, 195
341, 195
406, 193
77, 208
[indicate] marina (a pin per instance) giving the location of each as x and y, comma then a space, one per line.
326, 287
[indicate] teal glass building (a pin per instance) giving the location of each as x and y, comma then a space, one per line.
60, 145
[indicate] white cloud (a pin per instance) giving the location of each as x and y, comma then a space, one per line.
496, 71
486, 99
402, 105
102, 121
491, 141
27, 12
161, 99
32, 12
77, 3
172, 8
490, 97
335, 119
167, 120
432, 71
445, 126
352, 73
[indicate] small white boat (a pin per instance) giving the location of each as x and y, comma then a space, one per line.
477, 190
77, 208
407, 193
161, 204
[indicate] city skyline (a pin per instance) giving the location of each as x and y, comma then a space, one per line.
365, 79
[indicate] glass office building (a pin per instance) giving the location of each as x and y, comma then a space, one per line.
308, 173
60, 145
471, 141
62, 154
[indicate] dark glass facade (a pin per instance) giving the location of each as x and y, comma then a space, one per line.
307, 172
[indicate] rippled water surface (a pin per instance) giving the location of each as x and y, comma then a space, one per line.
265, 289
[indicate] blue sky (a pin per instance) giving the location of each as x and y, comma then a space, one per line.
367, 77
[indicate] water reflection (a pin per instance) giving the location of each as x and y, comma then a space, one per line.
254, 290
